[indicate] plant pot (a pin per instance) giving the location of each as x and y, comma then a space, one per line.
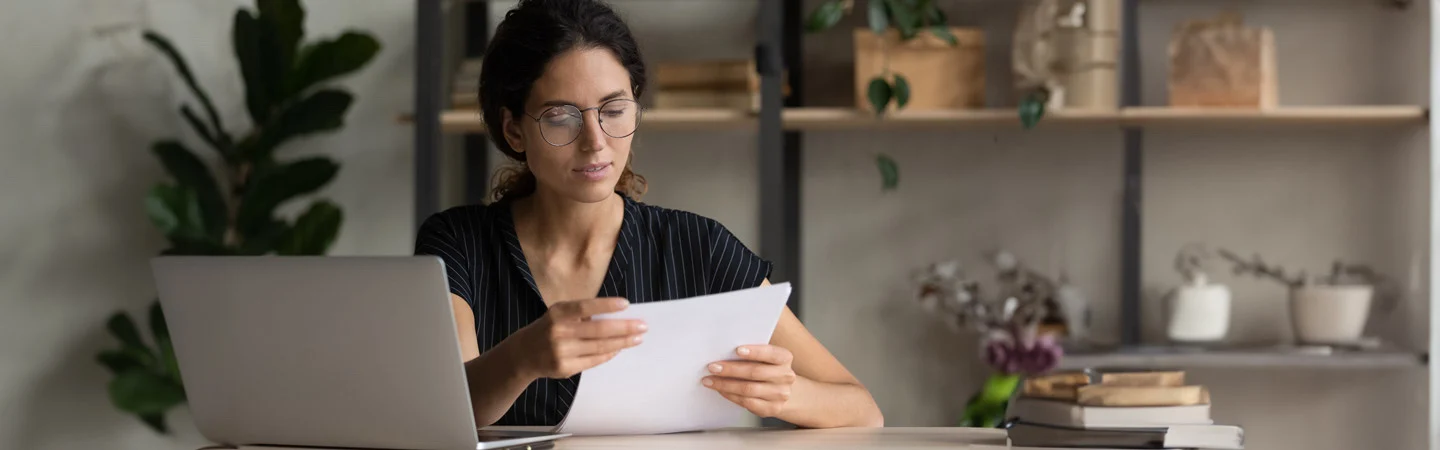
1199, 313
1330, 314
941, 76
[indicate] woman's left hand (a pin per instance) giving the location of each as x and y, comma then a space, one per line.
760, 382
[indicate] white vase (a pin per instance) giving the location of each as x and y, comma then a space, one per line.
1330, 314
1199, 312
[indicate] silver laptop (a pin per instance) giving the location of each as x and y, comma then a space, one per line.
352, 352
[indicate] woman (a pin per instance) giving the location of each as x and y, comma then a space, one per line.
558, 91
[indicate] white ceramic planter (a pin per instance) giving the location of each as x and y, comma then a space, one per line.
1330, 314
1199, 313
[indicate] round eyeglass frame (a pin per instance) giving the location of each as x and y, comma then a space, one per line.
639, 113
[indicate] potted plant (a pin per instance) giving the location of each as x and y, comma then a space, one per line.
232, 207
1327, 309
1015, 319
915, 33
1199, 308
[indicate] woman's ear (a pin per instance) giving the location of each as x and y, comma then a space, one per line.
511, 131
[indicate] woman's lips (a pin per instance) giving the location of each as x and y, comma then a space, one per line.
594, 172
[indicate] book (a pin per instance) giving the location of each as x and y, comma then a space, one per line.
1051, 412
1026, 434
1101, 395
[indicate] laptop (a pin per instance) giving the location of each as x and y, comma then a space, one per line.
347, 352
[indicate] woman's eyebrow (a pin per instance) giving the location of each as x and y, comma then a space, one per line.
606, 98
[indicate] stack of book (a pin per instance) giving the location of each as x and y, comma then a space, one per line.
725, 84
465, 87
1116, 409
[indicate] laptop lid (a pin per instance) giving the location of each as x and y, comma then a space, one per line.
318, 351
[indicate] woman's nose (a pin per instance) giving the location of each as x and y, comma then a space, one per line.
592, 138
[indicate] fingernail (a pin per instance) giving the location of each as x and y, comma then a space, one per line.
621, 302
707, 381
743, 351
642, 327
716, 368
636, 340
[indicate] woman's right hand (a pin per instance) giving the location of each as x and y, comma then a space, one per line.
565, 341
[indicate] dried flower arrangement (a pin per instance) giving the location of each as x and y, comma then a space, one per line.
1341, 273
1008, 318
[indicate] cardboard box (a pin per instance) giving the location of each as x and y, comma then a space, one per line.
941, 76
1222, 63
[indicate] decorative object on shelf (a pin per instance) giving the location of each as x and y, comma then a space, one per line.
893, 24
1220, 62
465, 88
1070, 49
722, 84
1328, 309
1199, 308
939, 73
1017, 320
288, 96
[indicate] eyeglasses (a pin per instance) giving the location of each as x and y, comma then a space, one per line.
561, 125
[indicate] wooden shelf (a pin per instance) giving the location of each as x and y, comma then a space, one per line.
820, 119
1275, 357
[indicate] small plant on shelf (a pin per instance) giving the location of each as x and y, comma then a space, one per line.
288, 96
911, 19
1014, 319
1328, 309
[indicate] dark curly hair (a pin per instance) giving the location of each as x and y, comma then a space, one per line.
531, 35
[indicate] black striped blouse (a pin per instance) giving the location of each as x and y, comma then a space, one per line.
661, 254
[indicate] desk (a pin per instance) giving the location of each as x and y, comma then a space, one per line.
831, 439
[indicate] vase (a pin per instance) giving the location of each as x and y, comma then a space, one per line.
1330, 314
1199, 312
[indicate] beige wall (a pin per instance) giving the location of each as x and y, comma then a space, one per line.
78, 117
80, 101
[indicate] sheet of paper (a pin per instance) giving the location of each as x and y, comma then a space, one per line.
655, 387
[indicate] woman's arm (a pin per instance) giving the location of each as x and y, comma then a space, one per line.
797, 380
494, 378
562, 343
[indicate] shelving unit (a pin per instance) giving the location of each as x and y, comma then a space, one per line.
781, 123
820, 119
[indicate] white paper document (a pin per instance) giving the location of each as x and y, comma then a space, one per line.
655, 387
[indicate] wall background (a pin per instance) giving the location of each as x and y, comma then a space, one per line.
82, 101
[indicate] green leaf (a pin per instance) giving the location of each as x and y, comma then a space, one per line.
257, 49
118, 361
904, 18
274, 186
902, 91
123, 328
879, 95
332, 58
889, 172
158, 327
287, 20
265, 239
943, 32
140, 391
322, 111
155, 422
200, 130
1032, 108
314, 231
191, 173
166, 48
879, 19
826, 16
934, 15
176, 211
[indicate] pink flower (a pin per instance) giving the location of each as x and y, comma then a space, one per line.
1008, 355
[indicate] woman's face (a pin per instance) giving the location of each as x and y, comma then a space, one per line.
588, 166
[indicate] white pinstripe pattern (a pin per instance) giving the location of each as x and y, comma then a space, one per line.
660, 254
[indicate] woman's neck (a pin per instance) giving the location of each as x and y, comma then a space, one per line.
559, 225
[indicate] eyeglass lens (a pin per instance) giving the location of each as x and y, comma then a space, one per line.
561, 125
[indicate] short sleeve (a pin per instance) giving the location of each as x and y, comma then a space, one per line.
733, 266
438, 237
